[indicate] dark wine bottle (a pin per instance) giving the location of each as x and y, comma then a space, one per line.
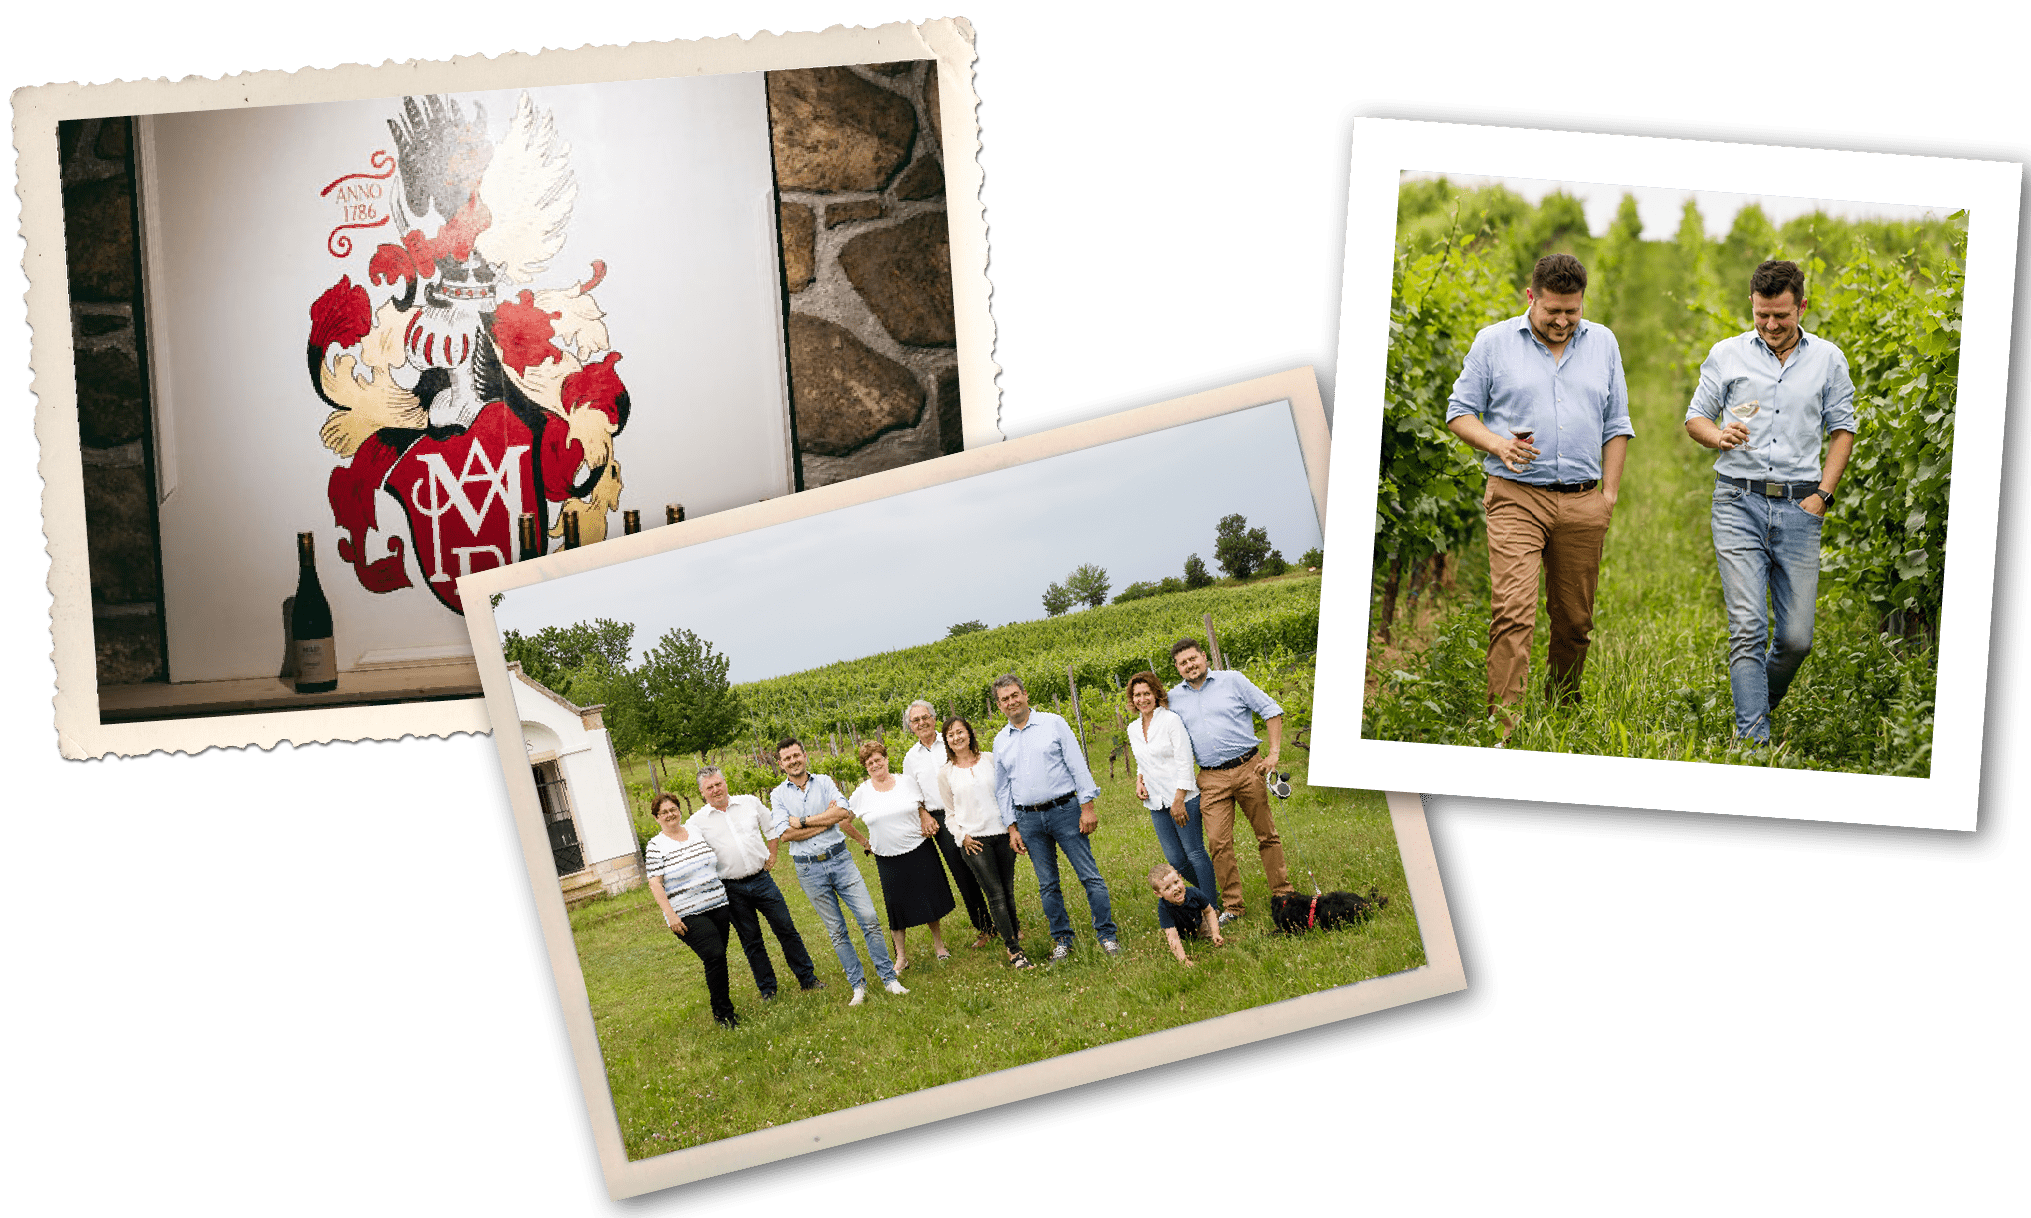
310, 625
673, 513
571, 530
531, 538
631, 521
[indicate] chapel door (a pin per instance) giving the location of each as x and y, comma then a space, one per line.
556, 802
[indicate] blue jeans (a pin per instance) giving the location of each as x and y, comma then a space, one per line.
1768, 546
1184, 847
835, 883
1046, 833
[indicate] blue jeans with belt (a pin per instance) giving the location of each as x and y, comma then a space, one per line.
1044, 834
834, 885
1767, 547
1184, 846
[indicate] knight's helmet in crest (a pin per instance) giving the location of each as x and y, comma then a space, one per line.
476, 216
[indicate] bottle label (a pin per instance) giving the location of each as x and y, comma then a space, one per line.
316, 662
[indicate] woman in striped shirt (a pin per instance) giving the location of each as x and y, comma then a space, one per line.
684, 879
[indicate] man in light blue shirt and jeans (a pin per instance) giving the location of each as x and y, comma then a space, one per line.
1778, 389
806, 812
1543, 398
1045, 789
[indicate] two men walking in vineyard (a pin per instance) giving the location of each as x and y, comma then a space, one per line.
1783, 388
1542, 396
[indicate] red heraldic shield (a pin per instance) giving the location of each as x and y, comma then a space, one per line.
463, 495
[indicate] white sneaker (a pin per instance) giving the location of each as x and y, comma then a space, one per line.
894, 987
859, 996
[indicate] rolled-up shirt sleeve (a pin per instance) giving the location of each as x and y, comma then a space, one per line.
1706, 396
1615, 417
1837, 400
1004, 784
1075, 762
1254, 699
1472, 388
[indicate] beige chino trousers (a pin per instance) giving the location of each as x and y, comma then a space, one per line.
1561, 533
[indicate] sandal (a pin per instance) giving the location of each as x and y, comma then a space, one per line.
944, 956
986, 937
901, 965
1020, 961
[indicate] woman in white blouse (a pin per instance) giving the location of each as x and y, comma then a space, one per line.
904, 839
1163, 781
966, 781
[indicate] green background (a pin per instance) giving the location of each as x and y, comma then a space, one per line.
295, 983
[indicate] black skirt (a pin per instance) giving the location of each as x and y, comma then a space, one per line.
914, 890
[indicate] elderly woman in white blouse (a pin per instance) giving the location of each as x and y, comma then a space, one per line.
987, 843
904, 840
1164, 783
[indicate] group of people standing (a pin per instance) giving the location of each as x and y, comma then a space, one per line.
957, 807
1542, 396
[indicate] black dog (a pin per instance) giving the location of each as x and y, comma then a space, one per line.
1297, 913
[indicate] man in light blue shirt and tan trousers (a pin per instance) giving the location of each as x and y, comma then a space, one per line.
1045, 789
1219, 710
1781, 390
1543, 397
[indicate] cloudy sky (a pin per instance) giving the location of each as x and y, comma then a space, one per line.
899, 571
1660, 207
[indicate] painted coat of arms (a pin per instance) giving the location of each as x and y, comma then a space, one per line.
455, 383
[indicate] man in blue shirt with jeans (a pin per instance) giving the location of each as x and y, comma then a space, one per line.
806, 813
1542, 396
1781, 389
1043, 786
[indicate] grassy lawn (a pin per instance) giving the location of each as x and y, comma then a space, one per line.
678, 1080
1656, 682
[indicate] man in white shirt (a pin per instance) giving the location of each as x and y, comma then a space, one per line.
736, 828
920, 765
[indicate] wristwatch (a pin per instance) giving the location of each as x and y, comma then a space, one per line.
1826, 497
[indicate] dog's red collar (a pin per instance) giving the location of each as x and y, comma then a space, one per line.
1311, 915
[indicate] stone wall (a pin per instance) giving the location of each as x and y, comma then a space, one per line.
874, 365
109, 337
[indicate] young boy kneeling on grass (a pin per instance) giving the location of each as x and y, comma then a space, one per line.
1183, 910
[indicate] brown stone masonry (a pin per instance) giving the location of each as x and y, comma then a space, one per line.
874, 378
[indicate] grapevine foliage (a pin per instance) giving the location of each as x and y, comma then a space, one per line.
1430, 482
1898, 321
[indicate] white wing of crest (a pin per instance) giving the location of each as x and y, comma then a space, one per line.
528, 190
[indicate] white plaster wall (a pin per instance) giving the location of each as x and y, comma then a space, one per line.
599, 802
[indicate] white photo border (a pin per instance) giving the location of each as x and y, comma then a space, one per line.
1443, 972
81, 732
1383, 149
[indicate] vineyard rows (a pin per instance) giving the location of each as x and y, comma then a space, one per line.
1102, 647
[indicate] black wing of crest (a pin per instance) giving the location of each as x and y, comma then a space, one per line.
442, 152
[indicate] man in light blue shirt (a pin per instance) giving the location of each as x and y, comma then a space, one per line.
807, 812
1542, 397
1781, 391
1043, 786
1219, 710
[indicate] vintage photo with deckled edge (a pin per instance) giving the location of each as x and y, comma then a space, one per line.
957, 407
1442, 973
1384, 151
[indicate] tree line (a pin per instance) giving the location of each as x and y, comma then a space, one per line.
1243, 553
